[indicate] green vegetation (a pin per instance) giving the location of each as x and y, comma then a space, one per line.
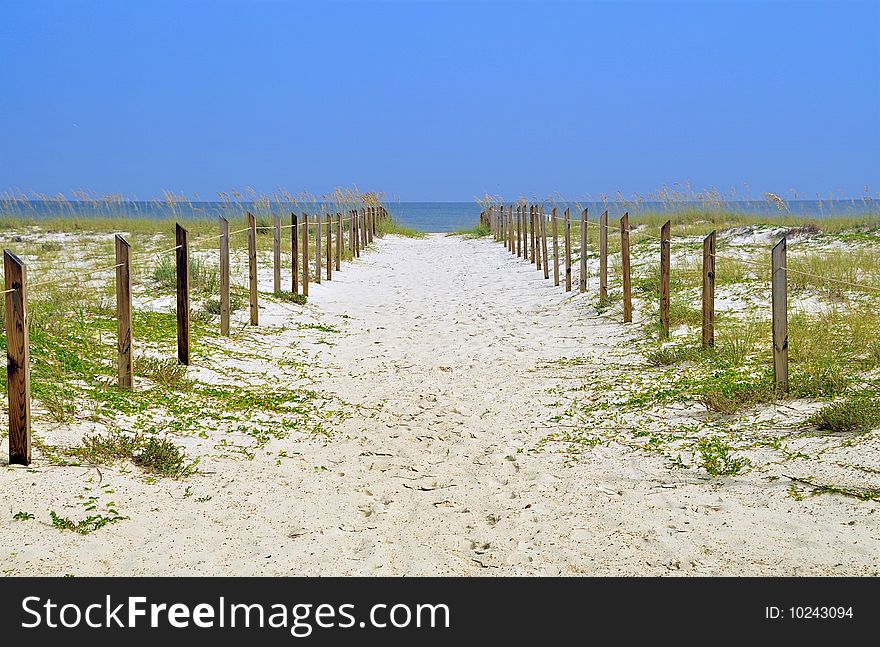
716, 458
858, 414
22, 516
480, 231
155, 455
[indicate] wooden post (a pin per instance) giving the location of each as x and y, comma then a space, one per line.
665, 245
369, 225
338, 241
531, 228
583, 272
294, 253
182, 254
709, 291
318, 250
357, 233
123, 313
779, 294
624, 261
224, 276
567, 250
329, 254
252, 268
603, 256
305, 253
363, 225
512, 230
18, 360
276, 248
519, 231
544, 243
554, 234
351, 233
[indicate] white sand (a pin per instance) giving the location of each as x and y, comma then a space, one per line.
438, 474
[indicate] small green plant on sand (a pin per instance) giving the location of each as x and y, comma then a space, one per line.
856, 414
716, 459
22, 516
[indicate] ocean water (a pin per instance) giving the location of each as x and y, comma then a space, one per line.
422, 216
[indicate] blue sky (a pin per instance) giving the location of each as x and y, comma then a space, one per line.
440, 100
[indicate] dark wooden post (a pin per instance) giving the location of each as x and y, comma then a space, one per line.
276, 249
624, 261
665, 259
18, 360
567, 250
709, 291
779, 294
252, 268
583, 272
603, 256
305, 253
182, 254
123, 313
555, 235
294, 253
224, 276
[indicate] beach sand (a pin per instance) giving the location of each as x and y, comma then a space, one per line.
439, 470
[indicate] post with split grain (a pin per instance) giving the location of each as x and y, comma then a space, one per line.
665, 254
624, 261
567, 250
512, 230
294, 253
224, 276
276, 253
123, 313
18, 364
305, 253
532, 238
252, 268
603, 257
555, 235
544, 243
182, 254
709, 291
779, 292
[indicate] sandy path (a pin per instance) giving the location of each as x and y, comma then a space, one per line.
438, 475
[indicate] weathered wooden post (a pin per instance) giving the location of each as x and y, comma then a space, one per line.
305, 253
555, 235
123, 313
294, 253
519, 231
624, 261
544, 243
182, 256
18, 362
329, 250
603, 256
224, 276
318, 250
338, 241
583, 273
709, 291
665, 259
252, 269
276, 257
779, 294
567, 250
532, 237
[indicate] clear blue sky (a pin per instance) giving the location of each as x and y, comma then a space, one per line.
439, 100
